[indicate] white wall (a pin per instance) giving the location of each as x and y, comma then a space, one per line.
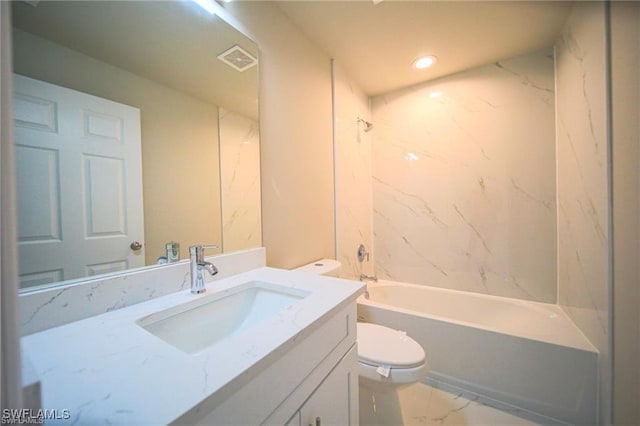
625, 42
583, 198
295, 137
352, 145
464, 180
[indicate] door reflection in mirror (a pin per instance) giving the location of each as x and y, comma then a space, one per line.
158, 58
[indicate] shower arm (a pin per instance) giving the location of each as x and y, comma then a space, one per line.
367, 124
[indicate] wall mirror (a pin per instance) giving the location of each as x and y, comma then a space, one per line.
136, 126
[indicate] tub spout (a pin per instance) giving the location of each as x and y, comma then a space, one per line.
364, 277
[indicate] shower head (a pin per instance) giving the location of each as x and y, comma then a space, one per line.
367, 125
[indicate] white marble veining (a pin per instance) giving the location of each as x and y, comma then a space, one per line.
107, 369
240, 181
583, 236
464, 190
435, 404
54, 306
352, 145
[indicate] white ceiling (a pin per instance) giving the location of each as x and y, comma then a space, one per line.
173, 43
376, 44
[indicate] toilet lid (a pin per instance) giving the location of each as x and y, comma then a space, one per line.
378, 345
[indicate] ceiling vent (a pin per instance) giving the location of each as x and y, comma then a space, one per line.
238, 58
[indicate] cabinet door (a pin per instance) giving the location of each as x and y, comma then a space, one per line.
335, 401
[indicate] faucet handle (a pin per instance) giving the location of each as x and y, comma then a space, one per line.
196, 250
362, 253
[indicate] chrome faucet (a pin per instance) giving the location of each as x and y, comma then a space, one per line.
196, 256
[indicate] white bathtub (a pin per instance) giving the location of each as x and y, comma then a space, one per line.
525, 354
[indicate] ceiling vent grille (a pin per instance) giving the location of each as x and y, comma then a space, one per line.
238, 58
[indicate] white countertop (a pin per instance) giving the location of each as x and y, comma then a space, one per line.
107, 369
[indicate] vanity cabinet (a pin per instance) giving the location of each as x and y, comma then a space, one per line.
332, 402
295, 363
316, 375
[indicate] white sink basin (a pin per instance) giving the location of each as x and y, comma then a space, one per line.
194, 326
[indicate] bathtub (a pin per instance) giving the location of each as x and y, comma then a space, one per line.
522, 354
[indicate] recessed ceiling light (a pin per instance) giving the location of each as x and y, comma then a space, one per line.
424, 62
435, 95
410, 156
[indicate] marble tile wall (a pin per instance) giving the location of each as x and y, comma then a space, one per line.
50, 307
464, 192
240, 181
583, 215
352, 150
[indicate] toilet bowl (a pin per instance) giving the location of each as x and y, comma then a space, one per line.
387, 360
389, 356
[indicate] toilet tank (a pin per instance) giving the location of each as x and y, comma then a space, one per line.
328, 267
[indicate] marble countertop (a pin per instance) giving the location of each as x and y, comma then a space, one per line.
107, 369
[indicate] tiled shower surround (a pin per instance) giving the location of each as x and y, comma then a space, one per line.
493, 180
353, 175
464, 182
583, 195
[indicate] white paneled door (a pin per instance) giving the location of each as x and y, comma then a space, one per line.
79, 178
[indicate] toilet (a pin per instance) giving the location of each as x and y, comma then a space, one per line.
387, 360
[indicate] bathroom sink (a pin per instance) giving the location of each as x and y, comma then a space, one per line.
209, 320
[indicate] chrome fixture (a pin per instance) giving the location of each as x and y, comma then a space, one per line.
196, 256
362, 253
364, 277
367, 124
172, 254
172, 250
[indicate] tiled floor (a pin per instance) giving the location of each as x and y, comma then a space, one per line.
423, 404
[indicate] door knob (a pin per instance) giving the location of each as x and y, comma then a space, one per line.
135, 246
